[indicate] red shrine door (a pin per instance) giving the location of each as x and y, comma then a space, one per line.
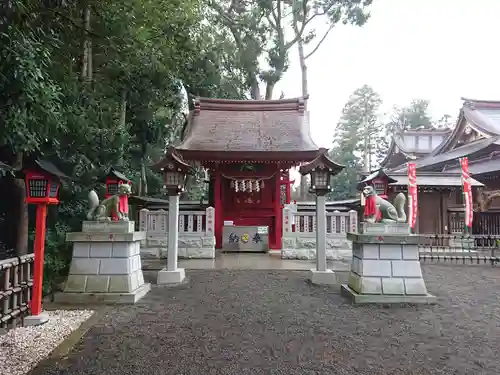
252, 199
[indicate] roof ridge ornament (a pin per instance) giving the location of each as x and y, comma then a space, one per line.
469, 104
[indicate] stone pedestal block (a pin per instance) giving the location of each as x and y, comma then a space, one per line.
385, 268
106, 265
190, 246
176, 276
303, 247
326, 277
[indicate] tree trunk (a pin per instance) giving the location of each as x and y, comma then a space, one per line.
144, 181
87, 45
20, 213
255, 89
303, 70
304, 191
269, 90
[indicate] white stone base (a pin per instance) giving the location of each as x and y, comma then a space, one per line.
171, 277
357, 298
327, 277
102, 298
190, 247
36, 320
304, 248
385, 268
105, 268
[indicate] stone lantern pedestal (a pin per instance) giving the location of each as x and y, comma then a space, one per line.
385, 266
106, 264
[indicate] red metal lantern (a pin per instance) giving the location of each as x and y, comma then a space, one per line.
41, 187
380, 182
113, 179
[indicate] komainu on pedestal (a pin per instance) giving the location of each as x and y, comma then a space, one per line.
118, 204
106, 264
385, 265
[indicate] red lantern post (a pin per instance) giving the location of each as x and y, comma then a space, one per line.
42, 188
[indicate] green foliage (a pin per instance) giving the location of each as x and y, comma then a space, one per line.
414, 116
357, 132
115, 100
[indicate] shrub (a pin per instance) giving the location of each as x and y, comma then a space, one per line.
57, 256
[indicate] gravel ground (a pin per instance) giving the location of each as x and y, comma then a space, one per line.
22, 348
273, 322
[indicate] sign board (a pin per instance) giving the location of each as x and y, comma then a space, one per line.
229, 222
262, 230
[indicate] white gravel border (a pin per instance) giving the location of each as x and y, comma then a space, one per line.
22, 348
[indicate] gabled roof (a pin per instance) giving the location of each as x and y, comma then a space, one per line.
481, 115
478, 148
171, 160
219, 128
50, 168
488, 164
451, 179
119, 175
377, 174
407, 145
322, 160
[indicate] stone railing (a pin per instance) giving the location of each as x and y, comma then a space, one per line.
299, 234
190, 222
196, 233
16, 281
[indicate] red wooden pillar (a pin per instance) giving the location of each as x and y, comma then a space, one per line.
36, 298
218, 208
277, 209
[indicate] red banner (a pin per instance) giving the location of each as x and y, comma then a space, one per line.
412, 195
469, 214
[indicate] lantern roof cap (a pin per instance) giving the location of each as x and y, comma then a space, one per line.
380, 173
321, 160
48, 167
172, 156
113, 172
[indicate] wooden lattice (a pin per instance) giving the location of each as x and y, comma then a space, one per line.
16, 282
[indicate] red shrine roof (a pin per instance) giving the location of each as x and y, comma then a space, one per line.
248, 130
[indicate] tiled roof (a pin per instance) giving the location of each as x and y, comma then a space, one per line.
218, 125
433, 179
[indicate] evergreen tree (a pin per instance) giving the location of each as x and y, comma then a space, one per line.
357, 140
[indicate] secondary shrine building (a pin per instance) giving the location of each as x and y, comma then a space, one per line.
248, 148
436, 154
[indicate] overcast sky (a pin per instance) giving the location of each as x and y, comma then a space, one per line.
439, 50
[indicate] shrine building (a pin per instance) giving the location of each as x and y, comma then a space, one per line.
248, 148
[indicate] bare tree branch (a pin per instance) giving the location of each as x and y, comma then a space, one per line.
320, 42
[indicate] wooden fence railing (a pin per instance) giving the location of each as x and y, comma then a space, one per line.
16, 281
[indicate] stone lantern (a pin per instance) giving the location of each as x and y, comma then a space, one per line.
321, 170
175, 171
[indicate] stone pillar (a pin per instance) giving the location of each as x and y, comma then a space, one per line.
106, 265
321, 275
385, 266
172, 274
321, 233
